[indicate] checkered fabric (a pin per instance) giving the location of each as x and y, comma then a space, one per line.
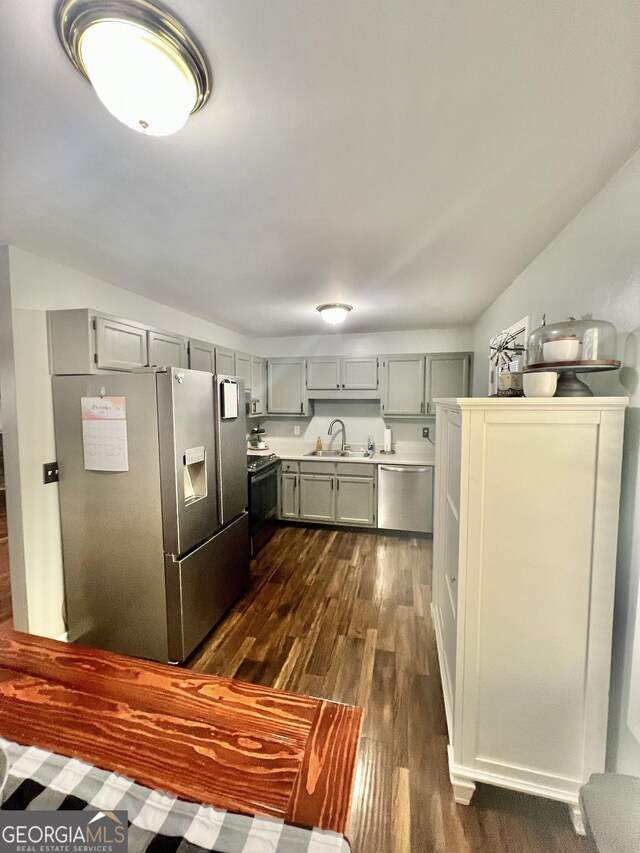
158, 823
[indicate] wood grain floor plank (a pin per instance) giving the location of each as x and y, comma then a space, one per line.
401, 811
366, 669
382, 583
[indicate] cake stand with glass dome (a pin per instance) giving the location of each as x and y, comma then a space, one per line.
572, 347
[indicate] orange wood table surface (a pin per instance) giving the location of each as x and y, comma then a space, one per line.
229, 744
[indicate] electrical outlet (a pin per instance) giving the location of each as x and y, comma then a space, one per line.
296, 430
50, 473
425, 432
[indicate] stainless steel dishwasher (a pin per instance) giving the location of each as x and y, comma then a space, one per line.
405, 497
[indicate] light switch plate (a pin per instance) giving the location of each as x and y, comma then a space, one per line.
296, 430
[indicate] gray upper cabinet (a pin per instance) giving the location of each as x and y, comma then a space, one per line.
286, 393
225, 362
342, 377
202, 356
164, 350
82, 341
448, 374
257, 386
243, 369
360, 373
323, 373
120, 346
403, 385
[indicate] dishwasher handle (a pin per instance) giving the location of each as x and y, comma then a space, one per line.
410, 468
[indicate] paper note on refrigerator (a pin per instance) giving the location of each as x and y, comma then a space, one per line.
104, 433
229, 400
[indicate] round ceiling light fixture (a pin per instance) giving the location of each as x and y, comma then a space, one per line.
143, 64
334, 312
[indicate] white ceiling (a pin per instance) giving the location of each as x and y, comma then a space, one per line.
409, 157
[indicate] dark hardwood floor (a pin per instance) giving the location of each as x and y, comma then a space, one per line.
6, 612
345, 615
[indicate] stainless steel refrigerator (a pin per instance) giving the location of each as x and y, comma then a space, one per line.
153, 499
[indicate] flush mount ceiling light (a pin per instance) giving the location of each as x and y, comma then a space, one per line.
143, 64
334, 312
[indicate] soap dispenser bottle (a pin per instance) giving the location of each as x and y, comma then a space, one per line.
319, 443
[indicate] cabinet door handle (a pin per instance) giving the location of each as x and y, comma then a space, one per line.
338, 485
332, 484
422, 408
410, 469
301, 407
338, 385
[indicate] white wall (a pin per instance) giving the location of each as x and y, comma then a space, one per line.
375, 343
361, 419
29, 287
593, 267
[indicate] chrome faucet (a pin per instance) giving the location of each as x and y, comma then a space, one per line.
344, 432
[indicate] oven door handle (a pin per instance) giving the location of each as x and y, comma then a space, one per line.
263, 476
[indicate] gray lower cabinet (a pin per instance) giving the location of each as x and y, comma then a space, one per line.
289, 495
355, 500
328, 492
317, 497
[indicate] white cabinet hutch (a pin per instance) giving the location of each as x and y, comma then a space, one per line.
526, 521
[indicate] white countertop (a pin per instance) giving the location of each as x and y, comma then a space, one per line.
406, 453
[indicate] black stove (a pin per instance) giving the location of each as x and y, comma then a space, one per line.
263, 497
258, 461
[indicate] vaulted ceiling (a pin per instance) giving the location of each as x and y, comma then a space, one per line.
409, 157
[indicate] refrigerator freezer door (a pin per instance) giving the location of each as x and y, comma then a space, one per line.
233, 495
112, 523
203, 586
187, 458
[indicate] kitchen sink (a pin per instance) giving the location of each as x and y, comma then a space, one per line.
340, 454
